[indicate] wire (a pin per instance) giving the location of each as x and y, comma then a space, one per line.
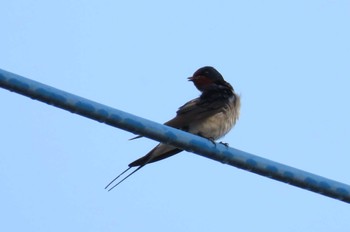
178, 138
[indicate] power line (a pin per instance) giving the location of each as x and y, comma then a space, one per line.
178, 138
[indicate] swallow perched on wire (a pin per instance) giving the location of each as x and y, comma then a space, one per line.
212, 115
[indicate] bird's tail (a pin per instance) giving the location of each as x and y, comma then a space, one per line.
161, 151
123, 178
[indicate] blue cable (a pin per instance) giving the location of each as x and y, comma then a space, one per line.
178, 138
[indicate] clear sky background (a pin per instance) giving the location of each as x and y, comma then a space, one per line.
289, 60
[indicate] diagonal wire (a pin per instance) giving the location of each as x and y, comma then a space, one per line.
180, 139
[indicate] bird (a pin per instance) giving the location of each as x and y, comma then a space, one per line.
212, 115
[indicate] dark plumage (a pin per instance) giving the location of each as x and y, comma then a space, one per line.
211, 115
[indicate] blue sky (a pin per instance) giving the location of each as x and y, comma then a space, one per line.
289, 60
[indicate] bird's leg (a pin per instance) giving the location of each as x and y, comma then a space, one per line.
211, 139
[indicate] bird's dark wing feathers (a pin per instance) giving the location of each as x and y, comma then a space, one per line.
199, 108
208, 104
147, 158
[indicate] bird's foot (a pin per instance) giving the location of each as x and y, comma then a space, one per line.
225, 144
212, 140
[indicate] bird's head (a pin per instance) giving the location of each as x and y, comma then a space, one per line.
205, 77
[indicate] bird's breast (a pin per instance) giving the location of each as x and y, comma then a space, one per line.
219, 124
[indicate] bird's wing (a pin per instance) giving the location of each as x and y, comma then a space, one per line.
161, 151
195, 110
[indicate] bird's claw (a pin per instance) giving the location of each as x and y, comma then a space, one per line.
225, 144
212, 140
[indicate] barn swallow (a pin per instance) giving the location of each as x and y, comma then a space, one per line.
211, 115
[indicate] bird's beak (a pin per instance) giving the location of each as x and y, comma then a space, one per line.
190, 78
